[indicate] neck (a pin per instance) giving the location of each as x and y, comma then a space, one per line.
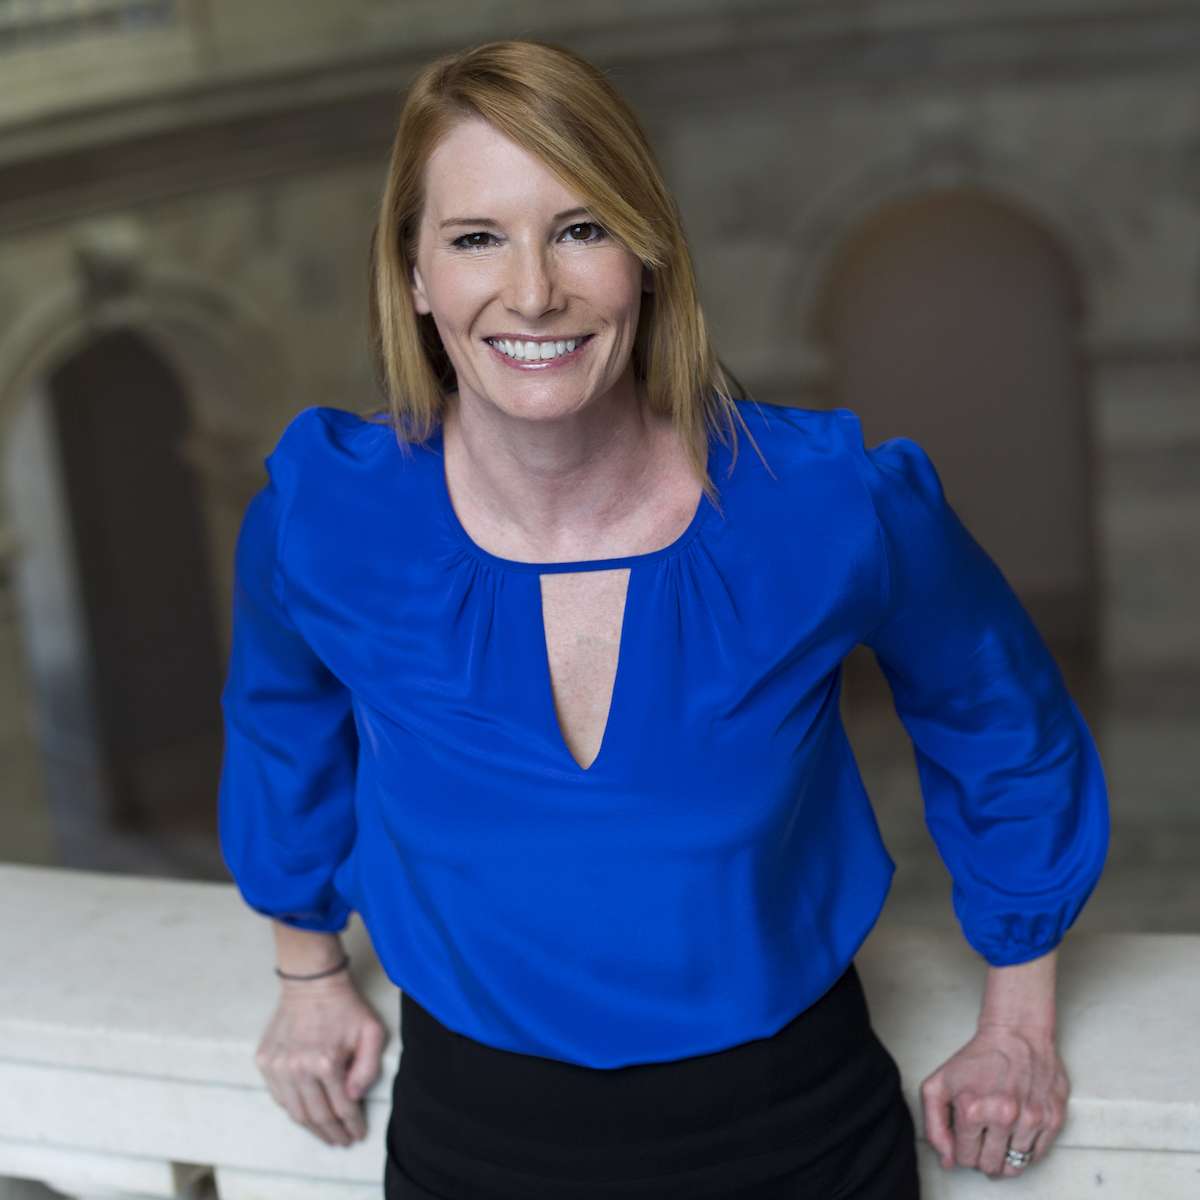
560, 490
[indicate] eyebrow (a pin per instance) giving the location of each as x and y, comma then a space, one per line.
487, 222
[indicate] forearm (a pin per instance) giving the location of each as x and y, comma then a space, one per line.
304, 951
1021, 998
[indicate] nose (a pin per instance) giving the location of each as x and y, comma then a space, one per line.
532, 289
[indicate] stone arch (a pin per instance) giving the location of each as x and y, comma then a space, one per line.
232, 382
928, 165
222, 351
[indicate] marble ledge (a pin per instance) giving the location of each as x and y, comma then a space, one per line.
1127, 1031
147, 976
148, 997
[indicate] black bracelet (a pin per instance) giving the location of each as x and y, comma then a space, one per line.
319, 975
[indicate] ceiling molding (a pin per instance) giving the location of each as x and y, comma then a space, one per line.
255, 123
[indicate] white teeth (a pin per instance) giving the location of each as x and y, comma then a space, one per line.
533, 351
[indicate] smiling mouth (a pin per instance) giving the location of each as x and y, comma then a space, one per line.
536, 351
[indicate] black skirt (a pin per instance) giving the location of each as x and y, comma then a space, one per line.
812, 1113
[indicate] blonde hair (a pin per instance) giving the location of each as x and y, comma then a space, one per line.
566, 113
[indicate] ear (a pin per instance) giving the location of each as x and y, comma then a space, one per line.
647, 280
419, 294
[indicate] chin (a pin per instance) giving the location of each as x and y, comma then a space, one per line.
547, 409
540, 403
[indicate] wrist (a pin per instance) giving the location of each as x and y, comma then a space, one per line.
314, 976
330, 986
306, 953
1021, 999
1034, 1030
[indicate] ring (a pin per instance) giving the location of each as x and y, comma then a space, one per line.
1019, 1159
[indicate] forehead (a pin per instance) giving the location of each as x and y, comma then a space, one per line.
476, 171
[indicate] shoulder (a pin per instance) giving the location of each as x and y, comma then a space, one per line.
796, 469
793, 432
333, 471
324, 438
795, 441
787, 461
342, 487
792, 438
795, 515
787, 449
330, 457
798, 434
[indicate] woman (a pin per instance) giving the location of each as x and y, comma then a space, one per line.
546, 688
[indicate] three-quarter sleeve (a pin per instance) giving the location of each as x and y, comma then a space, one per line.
287, 789
1014, 792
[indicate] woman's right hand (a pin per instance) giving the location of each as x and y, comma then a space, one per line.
321, 1051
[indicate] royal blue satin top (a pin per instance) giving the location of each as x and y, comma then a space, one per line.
392, 745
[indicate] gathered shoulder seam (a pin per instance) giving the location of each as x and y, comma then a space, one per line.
858, 454
285, 520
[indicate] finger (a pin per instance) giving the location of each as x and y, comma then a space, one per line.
992, 1149
1023, 1143
364, 1070
1053, 1118
329, 1074
321, 1118
1023, 1137
270, 1067
1011, 1171
280, 1095
348, 1112
1043, 1142
266, 1068
935, 1104
968, 1134
1025, 1131
283, 1088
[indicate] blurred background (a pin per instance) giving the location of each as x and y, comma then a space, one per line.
974, 222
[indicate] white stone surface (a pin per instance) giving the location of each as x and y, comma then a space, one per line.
79, 1172
128, 1037
1127, 1026
131, 1009
1072, 1173
101, 953
233, 1184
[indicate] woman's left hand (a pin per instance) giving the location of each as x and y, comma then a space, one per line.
1007, 1088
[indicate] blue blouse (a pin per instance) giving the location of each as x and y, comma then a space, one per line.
392, 744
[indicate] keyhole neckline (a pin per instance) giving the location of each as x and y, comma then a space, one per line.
703, 508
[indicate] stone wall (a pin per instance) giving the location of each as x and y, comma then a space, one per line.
208, 173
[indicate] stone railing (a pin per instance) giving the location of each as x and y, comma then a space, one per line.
130, 1008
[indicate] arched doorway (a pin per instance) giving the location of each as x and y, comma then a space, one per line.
117, 599
121, 418
219, 358
952, 319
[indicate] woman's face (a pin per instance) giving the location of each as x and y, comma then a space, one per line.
536, 304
